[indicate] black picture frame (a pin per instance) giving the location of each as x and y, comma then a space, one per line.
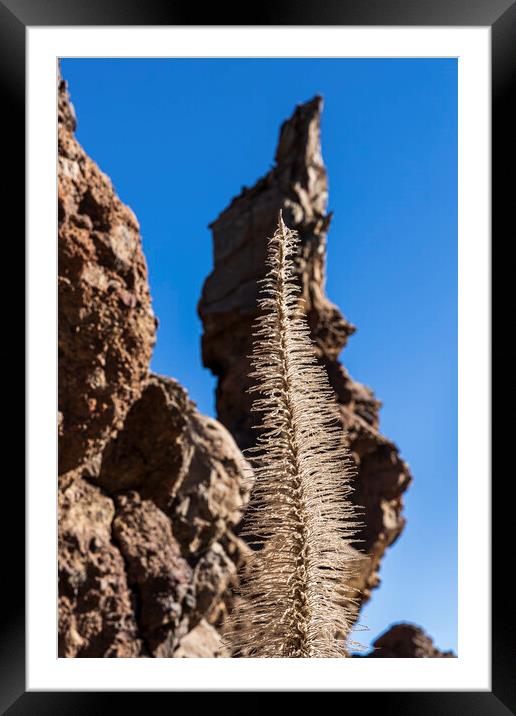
500, 15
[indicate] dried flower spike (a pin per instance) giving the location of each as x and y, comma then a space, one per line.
295, 593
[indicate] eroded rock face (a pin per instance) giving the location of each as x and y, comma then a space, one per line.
106, 324
203, 642
149, 489
406, 641
156, 570
186, 463
96, 605
298, 185
146, 548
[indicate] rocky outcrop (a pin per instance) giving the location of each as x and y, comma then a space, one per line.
106, 327
202, 642
406, 641
146, 550
149, 489
298, 185
184, 462
97, 611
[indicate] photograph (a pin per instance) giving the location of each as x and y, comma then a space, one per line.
258, 313
257, 357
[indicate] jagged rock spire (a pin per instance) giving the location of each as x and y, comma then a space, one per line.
297, 185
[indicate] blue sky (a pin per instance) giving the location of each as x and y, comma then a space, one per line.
179, 138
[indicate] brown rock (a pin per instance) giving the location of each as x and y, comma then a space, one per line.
406, 641
215, 573
96, 606
186, 463
106, 324
156, 571
202, 642
162, 511
150, 454
298, 185
215, 490
149, 489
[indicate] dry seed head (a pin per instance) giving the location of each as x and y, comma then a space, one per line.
296, 599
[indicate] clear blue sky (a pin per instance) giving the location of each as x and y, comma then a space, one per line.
179, 138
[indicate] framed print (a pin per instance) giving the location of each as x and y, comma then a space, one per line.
235, 508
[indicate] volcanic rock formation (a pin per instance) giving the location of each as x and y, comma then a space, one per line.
298, 185
406, 641
149, 489
106, 323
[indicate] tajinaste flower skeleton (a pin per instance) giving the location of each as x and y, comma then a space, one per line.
296, 595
